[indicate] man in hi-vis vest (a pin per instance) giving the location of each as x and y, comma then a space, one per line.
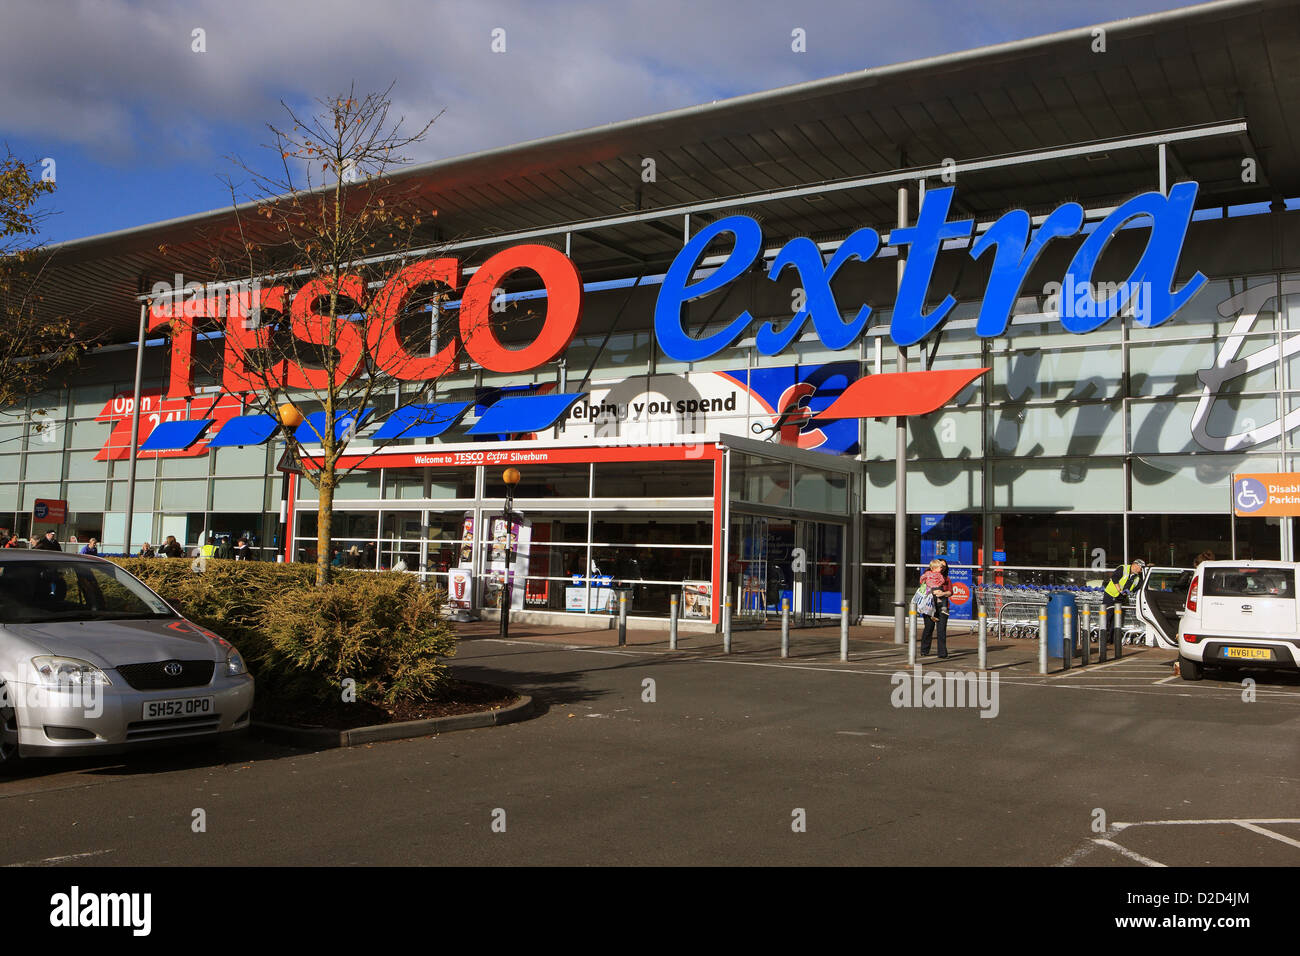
1124, 580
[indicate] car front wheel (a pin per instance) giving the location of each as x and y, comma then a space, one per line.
1190, 669
8, 734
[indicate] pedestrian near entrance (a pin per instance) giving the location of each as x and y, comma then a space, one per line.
147, 551
1123, 583
936, 622
171, 548
243, 552
90, 547
48, 543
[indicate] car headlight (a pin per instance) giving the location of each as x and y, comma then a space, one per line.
235, 664
65, 671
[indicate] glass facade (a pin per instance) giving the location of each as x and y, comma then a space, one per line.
1076, 452
1072, 453
573, 558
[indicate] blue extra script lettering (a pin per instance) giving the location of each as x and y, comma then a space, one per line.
1015, 252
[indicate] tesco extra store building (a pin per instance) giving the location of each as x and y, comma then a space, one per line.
1072, 263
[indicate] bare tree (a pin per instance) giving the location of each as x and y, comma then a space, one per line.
335, 291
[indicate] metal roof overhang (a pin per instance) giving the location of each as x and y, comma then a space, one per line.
1199, 66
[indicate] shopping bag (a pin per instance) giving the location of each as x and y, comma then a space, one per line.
923, 601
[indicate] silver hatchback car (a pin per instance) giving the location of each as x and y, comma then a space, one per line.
93, 661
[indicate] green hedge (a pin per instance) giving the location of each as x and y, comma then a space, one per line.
382, 629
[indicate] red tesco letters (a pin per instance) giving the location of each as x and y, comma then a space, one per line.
380, 337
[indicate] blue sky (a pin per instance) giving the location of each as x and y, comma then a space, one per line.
141, 127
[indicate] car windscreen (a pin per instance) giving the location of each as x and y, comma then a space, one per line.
42, 591
1276, 583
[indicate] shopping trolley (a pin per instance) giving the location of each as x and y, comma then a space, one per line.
1012, 612
1132, 628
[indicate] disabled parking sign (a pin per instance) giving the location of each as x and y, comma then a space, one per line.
1249, 495
1266, 494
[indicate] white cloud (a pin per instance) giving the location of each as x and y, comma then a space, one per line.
120, 78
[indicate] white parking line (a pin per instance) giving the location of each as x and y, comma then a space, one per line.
1093, 668
1254, 825
60, 859
1125, 851
793, 667
1188, 823
1268, 833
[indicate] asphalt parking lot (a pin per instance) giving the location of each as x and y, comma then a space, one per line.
644, 755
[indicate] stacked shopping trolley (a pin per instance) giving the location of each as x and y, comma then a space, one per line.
1013, 611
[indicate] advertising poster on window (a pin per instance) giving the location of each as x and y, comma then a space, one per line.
697, 599
459, 588
467, 540
951, 538
515, 541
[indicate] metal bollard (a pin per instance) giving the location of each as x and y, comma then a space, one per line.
1042, 642
1067, 640
911, 635
1119, 634
984, 640
726, 626
622, 619
1085, 639
1101, 637
785, 627
672, 623
844, 630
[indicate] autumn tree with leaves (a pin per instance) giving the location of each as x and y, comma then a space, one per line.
32, 344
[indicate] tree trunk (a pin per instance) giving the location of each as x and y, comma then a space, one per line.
324, 520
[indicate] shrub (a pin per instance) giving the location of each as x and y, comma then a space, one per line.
381, 629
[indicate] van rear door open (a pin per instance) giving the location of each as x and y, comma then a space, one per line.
1160, 600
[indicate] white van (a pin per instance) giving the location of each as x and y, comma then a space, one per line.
1240, 614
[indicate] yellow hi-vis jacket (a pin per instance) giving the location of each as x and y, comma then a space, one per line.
209, 550
1127, 577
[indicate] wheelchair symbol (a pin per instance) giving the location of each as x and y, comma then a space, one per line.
1248, 495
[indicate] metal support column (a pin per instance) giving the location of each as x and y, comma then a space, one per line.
900, 470
135, 430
